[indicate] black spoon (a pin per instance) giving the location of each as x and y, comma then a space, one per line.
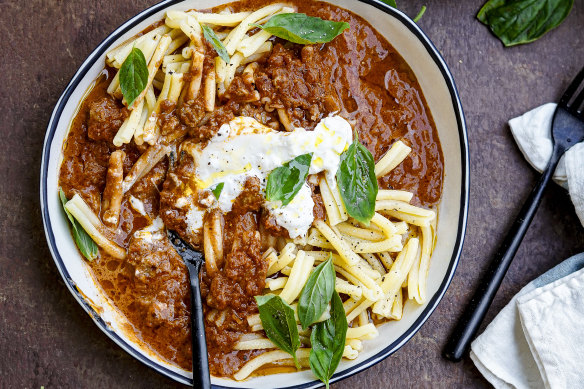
193, 260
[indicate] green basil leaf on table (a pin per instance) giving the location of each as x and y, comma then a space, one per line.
279, 323
214, 40
317, 293
133, 75
328, 342
285, 182
517, 22
83, 241
218, 189
391, 3
357, 182
303, 29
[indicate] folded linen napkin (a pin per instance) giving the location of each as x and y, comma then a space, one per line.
532, 132
537, 340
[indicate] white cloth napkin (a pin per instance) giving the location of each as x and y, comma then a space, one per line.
532, 132
537, 340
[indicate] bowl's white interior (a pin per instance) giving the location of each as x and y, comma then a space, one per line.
441, 104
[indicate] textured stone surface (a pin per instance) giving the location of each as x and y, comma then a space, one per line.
47, 339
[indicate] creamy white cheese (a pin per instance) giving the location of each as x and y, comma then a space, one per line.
297, 215
154, 231
245, 148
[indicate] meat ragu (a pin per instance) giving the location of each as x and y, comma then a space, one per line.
358, 76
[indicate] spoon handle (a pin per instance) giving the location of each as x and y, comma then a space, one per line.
201, 378
476, 310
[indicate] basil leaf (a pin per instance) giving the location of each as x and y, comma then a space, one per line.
285, 182
303, 29
83, 241
328, 342
218, 189
517, 22
357, 182
279, 323
420, 14
214, 40
317, 293
133, 75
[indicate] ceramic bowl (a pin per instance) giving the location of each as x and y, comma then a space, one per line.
440, 91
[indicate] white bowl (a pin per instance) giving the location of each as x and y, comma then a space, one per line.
442, 98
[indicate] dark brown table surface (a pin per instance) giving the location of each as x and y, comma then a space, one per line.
47, 339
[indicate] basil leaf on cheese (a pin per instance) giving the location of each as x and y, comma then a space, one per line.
218, 189
317, 293
357, 182
517, 22
83, 241
279, 323
328, 342
214, 40
285, 182
303, 29
133, 75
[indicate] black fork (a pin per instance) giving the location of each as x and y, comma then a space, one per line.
567, 130
193, 260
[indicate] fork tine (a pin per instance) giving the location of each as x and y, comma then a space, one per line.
572, 89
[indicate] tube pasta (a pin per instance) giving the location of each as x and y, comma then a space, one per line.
153, 65
117, 56
276, 283
227, 20
187, 23
113, 192
394, 279
403, 207
255, 344
265, 358
394, 156
399, 195
368, 331
238, 33
144, 164
339, 244
196, 75
93, 226
298, 276
213, 240
347, 288
210, 86
427, 246
287, 255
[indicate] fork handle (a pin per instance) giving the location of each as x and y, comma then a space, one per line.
478, 306
201, 378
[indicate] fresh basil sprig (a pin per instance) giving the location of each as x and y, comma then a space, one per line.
285, 182
328, 342
214, 40
357, 182
517, 22
218, 189
279, 323
83, 241
133, 75
317, 293
303, 29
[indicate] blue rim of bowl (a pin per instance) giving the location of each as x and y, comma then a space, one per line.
398, 343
